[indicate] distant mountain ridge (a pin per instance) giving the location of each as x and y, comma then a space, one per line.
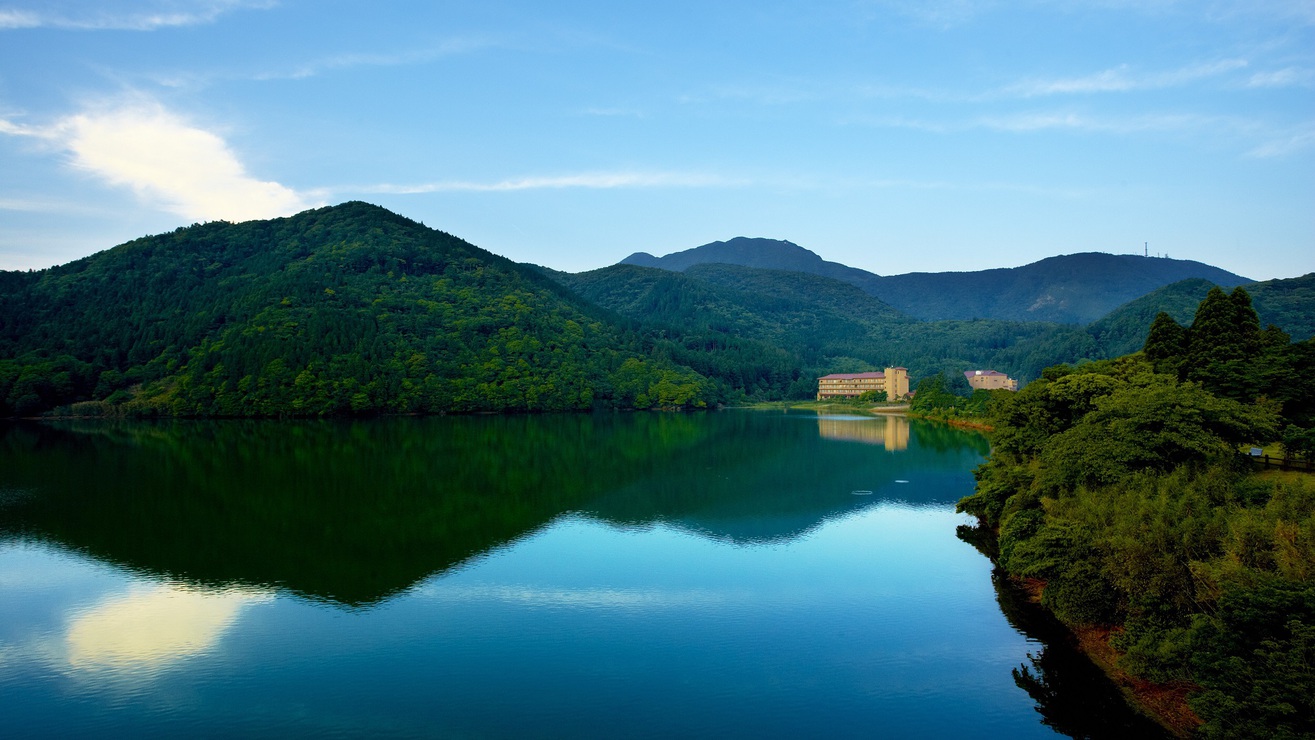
767, 254
352, 309
1067, 289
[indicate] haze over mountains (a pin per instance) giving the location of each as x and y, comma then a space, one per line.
1067, 289
354, 309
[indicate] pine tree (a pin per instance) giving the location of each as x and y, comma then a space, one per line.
1247, 329
1166, 344
1224, 343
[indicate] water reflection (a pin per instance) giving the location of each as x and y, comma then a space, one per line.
152, 627
890, 431
1073, 696
353, 512
662, 574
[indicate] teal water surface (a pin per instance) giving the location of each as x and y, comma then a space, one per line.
730, 574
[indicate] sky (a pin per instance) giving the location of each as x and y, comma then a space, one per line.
892, 136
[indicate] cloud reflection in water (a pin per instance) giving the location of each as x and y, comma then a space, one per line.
152, 627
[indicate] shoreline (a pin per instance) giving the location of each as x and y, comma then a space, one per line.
1165, 704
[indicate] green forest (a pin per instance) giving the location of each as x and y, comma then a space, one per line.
352, 310
1122, 488
349, 309
1117, 482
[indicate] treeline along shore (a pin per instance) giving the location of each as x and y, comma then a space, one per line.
1121, 491
1117, 489
354, 310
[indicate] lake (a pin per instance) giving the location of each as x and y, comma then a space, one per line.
738, 573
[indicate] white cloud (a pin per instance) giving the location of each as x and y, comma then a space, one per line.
591, 180
100, 15
1288, 77
1123, 79
166, 161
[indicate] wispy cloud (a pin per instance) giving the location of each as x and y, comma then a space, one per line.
166, 161
1122, 79
105, 15
46, 205
588, 180
1042, 121
1297, 140
1287, 77
942, 14
1064, 120
615, 112
446, 48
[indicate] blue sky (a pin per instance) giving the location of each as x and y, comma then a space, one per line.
892, 136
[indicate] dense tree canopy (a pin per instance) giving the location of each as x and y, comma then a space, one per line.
1121, 485
349, 309
353, 309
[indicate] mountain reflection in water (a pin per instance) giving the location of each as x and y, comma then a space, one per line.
656, 574
354, 511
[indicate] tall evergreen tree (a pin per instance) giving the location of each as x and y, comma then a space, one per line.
1166, 343
1224, 343
1247, 329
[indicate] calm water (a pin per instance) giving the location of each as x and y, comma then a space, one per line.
734, 574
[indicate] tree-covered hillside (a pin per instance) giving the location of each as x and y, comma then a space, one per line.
353, 309
1288, 304
1066, 289
824, 325
343, 309
1120, 489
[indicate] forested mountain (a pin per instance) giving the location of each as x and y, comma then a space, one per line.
353, 309
1288, 304
825, 325
1123, 330
1068, 289
343, 309
769, 254
1075, 288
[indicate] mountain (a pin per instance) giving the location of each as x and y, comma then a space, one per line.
768, 254
1068, 289
1288, 304
349, 308
822, 324
1123, 330
354, 309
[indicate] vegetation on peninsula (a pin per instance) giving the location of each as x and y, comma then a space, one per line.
1120, 487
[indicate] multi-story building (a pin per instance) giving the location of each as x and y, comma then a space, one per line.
894, 381
989, 380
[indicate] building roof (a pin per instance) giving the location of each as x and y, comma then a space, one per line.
851, 376
977, 373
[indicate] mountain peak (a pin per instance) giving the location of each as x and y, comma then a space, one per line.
772, 254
